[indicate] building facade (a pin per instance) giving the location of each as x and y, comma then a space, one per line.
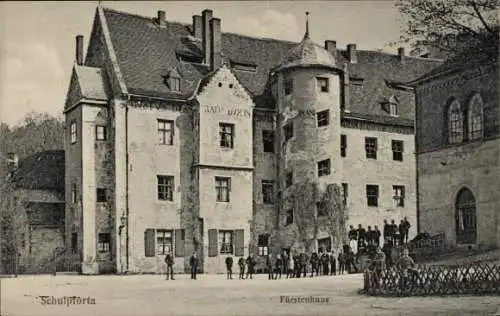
183, 138
458, 146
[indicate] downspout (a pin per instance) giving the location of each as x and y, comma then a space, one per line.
417, 137
126, 188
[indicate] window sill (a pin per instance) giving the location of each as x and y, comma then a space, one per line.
164, 201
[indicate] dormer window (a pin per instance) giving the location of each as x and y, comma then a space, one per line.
391, 106
173, 81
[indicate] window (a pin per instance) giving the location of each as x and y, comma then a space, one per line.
165, 188
322, 84
166, 132
263, 244
393, 109
74, 242
323, 118
372, 195
74, 196
288, 131
226, 132
289, 179
100, 132
321, 209
175, 84
289, 217
345, 193
324, 167
222, 188
398, 195
73, 132
101, 195
226, 241
268, 141
397, 150
343, 145
268, 191
475, 118
371, 147
455, 123
104, 242
164, 241
288, 86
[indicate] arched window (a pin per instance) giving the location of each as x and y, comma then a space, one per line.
455, 123
465, 210
475, 117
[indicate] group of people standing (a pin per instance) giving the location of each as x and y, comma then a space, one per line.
393, 235
246, 265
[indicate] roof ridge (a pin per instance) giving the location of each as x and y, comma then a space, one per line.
391, 54
262, 38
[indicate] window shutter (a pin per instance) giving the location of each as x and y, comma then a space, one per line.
239, 243
179, 242
149, 242
213, 248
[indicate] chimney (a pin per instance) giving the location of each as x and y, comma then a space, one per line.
216, 44
161, 19
345, 91
331, 46
197, 26
351, 53
401, 53
206, 16
79, 50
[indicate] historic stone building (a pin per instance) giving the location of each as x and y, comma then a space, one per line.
458, 147
182, 137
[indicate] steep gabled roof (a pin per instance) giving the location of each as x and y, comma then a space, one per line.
145, 52
93, 82
41, 171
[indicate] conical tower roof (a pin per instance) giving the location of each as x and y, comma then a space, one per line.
308, 54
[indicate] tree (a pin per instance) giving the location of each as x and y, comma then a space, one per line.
336, 215
448, 24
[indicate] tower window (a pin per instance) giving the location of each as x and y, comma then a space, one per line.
73, 131
268, 141
226, 132
104, 242
324, 168
288, 131
323, 85
343, 145
222, 188
288, 86
323, 118
165, 188
289, 179
267, 191
398, 195
100, 132
166, 132
101, 195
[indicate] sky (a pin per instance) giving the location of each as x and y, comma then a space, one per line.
37, 39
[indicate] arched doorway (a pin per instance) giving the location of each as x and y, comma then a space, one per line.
465, 217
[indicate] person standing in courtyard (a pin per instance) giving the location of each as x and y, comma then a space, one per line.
378, 266
387, 232
325, 263
353, 238
278, 266
270, 266
333, 263
314, 264
250, 265
229, 267
303, 260
394, 232
341, 260
401, 229
169, 260
290, 268
193, 263
376, 235
241, 264
405, 263
407, 227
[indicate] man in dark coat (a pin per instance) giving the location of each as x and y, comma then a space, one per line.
387, 232
376, 236
270, 267
169, 260
297, 265
304, 258
193, 263
241, 264
361, 236
251, 264
401, 229
341, 260
278, 268
314, 264
407, 229
229, 267
333, 264
325, 263
369, 236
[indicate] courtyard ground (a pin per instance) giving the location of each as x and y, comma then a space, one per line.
214, 295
